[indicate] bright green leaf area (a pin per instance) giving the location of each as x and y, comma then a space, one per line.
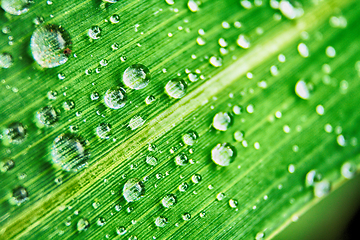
285, 136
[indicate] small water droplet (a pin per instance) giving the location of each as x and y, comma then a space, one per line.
193, 5
233, 203
101, 221
243, 41
196, 178
6, 165
183, 187
303, 50
186, 216
303, 89
220, 196
115, 19
121, 230
322, 188
291, 9
348, 170
136, 122
15, 133
47, 116
190, 138
19, 195
68, 105
151, 160
181, 159
103, 130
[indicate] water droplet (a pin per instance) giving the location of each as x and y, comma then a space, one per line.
161, 221
136, 76
239, 136
183, 187
47, 116
220, 196
243, 41
133, 190
115, 19
259, 236
69, 152
15, 133
322, 188
190, 138
50, 46
303, 50
151, 160
94, 96
223, 154
6, 165
303, 89
103, 130
6, 60
150, 99
348, 170
330, 52
340, 139
94, 32
19, 195
136, 122
312, 177
222, 121
181, 159
170, 2
83, 225
233, 203
121, 230
68, 105
16, 7
291, 10
196, 178
186, 216
176, 88
215, 61
169, 201
237, 110
291, 168
193, 5
115, 98
101, 221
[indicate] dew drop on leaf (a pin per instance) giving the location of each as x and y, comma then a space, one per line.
6, 60
181, 159
47, 116
82, 225
348, 170
222, 121
15, 133
69, 152
94, 32
103, 130
136, 76
133, 190
176, 88
15, 7
223, 154
50, 46
190, 138
161, 221
6, 165
115, 98
322, 188
19, 195
169, 201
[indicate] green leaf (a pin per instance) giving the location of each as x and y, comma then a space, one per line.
249, 117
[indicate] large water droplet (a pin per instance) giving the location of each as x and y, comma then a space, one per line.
115, 98
69, 152
223, 154
15, 133
176, 88
222, 121
169, 201
16, 7
47, 116
50, 46
136, 76
6, 60
133, 190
